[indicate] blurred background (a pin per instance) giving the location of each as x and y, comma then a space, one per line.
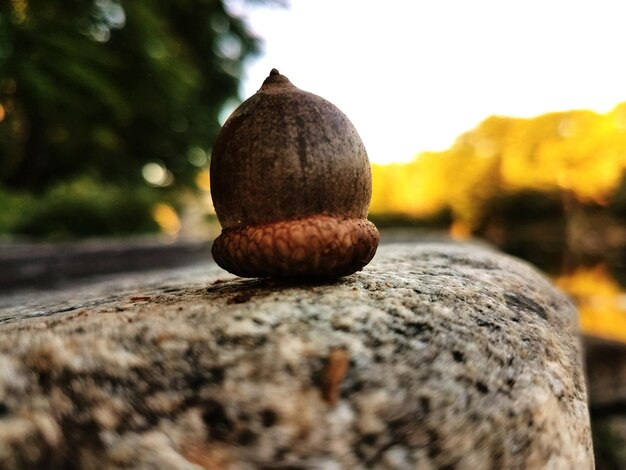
501, 120
504, 121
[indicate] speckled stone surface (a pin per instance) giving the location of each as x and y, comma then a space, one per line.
435, 356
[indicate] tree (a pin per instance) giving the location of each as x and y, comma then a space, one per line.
103, 87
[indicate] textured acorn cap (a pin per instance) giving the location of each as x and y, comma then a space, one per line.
286, 155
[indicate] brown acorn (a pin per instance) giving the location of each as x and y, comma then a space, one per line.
291, 185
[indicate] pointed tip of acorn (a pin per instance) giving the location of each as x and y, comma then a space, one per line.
275, 79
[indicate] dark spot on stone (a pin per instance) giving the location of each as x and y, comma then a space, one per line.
247, 340
356, 386
168, 290
370, 439
400, 348
269, 417
411, 329
482, 388
487, 324
240, 298
425, 404
84, 435
4, 409
458, 356
449, 466
434, 448
218, 374
44, 380
497, 457
247, 437
279, 455
522, 303
341, 327
216, 420
510, 382
285, 467
196, 381
258, 341
416, 328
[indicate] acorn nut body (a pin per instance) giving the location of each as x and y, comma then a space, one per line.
291, 185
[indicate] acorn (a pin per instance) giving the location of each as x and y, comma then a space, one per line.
291, 185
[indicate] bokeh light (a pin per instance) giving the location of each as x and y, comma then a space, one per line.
156, 174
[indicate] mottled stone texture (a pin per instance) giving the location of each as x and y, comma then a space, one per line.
435, 356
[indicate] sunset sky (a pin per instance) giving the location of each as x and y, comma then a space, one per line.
414, 75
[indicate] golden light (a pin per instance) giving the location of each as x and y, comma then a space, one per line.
167, 219
203, 181
2, 113
601, 303
19, 9
580, 153
459, 230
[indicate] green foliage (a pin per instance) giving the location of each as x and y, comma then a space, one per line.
12, 206
101, 87
81, 207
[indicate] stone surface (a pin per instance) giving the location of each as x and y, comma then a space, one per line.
434, 356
